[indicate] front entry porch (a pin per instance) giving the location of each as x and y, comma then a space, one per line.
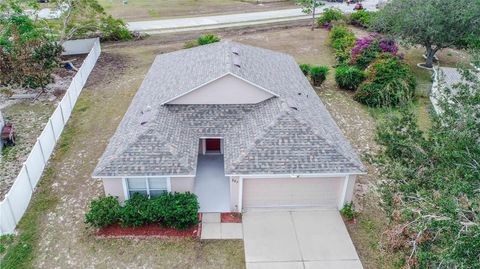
211, 185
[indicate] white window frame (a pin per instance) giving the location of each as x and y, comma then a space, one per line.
147, 184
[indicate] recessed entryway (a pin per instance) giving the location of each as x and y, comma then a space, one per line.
212, 187
211, 146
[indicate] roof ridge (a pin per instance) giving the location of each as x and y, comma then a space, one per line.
147, 129
315, 131
261, 135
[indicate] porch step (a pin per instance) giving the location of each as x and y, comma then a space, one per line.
211, 218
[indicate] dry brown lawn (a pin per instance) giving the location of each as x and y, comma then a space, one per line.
140, 10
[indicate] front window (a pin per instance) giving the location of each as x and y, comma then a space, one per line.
149, 186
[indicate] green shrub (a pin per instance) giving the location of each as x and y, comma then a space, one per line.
342, 41
329, 15
349, 77
339, 31
362, 18
207, 39
179, 210
348, 212
135, 213
318, 74
190, 44
176, 210
305, 69
389, 82
103, 212
114, 29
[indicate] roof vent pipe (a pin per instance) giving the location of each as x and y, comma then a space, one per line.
236, 61
235, 51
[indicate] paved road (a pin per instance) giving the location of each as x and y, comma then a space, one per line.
298, 239
243, 19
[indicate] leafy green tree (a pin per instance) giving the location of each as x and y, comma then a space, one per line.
87, 18
309, 7
433, 24
28, 52
432, 194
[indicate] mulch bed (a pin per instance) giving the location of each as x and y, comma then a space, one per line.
149, 230
231, 217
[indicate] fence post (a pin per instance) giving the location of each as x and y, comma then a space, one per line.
70, 101
11, 209
41, 150
53, 130
28, 176
79, 74
61, 112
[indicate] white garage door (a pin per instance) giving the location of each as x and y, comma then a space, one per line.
291, 192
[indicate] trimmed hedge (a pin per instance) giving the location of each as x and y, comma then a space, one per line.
176, 210
349, 77
318, 74
135, 211
103, 212
389, 82
179, 210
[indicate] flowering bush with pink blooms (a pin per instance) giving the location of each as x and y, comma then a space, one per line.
389, 82
366, 50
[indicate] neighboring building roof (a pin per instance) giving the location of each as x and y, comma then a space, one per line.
445, 79
291, 133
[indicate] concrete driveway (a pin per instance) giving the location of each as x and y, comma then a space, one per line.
297, 239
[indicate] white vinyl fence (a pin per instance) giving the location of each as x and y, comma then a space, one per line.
17, 199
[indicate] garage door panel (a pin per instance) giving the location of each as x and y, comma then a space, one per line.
321, 192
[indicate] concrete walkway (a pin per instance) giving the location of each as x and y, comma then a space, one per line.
212, 187
298, 239
213, 228
234, 20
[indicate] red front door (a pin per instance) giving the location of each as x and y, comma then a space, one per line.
212, 144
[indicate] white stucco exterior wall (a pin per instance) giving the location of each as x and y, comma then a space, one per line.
225, 90
350, 188
114, 187
182, 184
235, 194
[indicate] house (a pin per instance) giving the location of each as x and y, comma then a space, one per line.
239, 126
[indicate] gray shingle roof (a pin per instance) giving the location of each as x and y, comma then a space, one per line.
292, 133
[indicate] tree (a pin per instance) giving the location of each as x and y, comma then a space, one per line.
309, 7
28, 52
87, 18
433, 24
432, 193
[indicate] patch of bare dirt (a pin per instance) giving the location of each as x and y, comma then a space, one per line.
29, 120
29, 111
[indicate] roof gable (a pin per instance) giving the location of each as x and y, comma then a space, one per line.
227, 89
